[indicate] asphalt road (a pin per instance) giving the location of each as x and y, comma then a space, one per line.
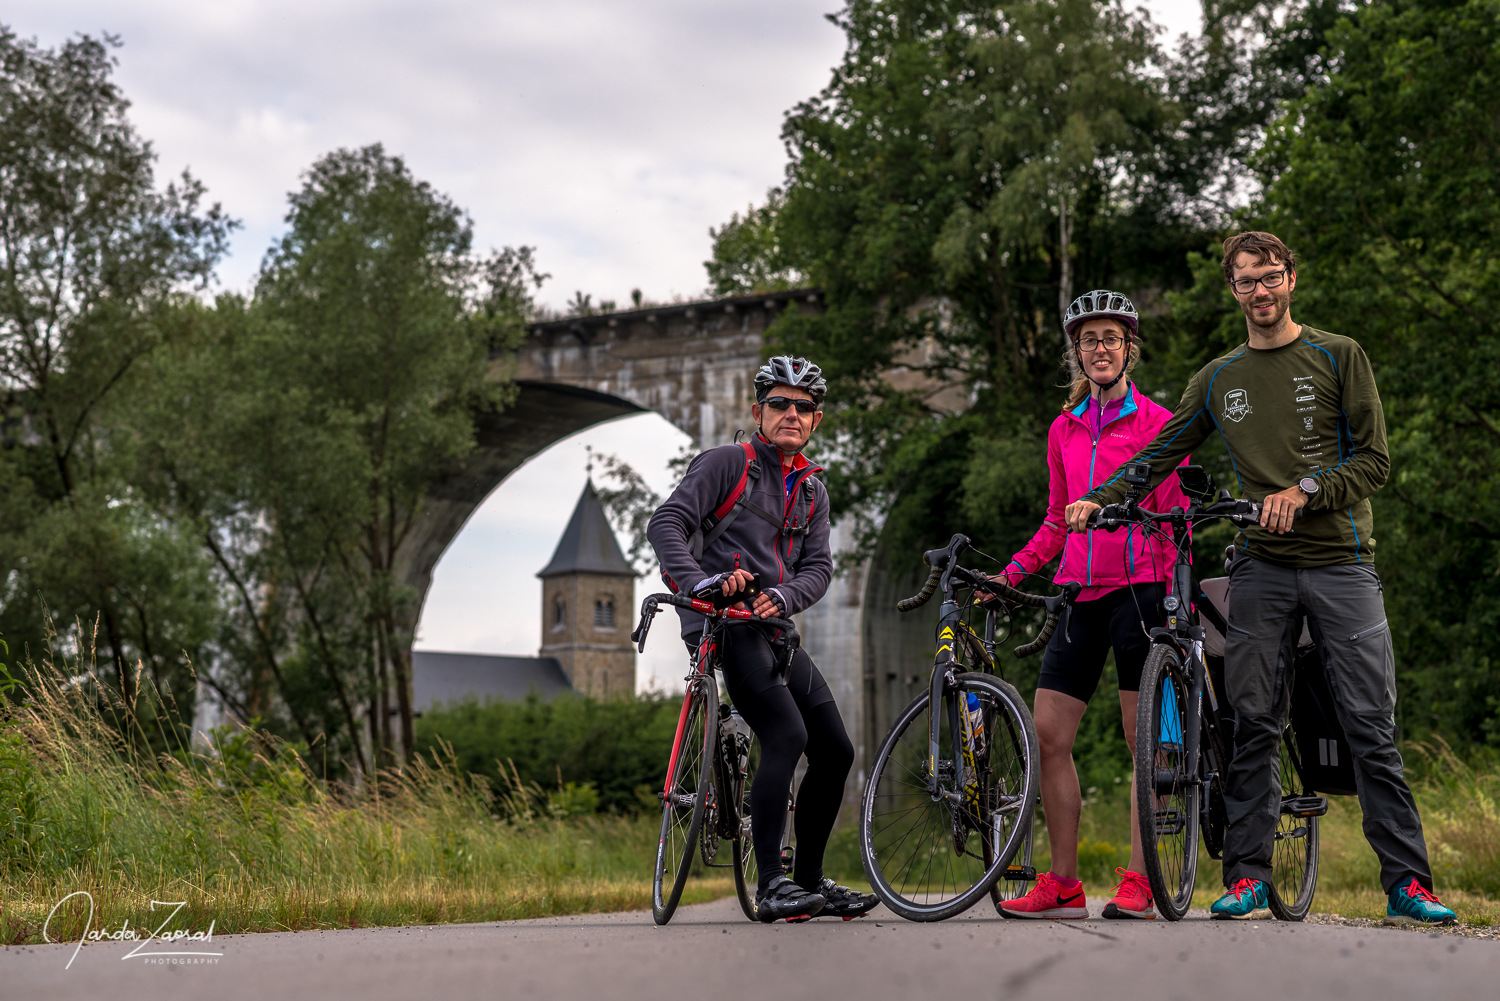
711, 952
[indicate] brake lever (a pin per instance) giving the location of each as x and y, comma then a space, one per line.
649, 608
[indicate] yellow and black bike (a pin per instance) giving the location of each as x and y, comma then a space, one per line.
954, 784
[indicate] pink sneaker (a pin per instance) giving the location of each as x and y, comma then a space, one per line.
1132, 897
1048, 899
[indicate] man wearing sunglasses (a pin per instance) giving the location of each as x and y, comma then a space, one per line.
734, 516
1301, 417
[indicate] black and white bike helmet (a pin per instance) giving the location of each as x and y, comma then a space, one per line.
1100, 303
784, 370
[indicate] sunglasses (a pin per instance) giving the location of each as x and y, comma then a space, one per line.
779, 403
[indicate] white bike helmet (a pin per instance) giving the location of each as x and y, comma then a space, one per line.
783, 370
1101, 303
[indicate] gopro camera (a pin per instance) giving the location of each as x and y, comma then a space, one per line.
1138, 474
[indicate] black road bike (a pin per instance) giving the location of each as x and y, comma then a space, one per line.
1184, 737
953, 788
706, 796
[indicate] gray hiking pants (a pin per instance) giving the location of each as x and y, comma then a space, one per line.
1347, 619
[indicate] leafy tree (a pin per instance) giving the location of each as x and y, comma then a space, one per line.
1386, 179
94, 260
375, 323
1230, 83
969, 168
748, 257
301, 431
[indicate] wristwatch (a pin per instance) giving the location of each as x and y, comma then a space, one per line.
1308, 485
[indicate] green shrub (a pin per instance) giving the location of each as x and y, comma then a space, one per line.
613, 748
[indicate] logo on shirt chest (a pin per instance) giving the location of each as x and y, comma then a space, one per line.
1236, 405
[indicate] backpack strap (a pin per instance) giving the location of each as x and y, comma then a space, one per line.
718, 522
798, 523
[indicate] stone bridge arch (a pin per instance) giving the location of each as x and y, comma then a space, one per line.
693, 363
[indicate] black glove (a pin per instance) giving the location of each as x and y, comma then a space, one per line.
712, 590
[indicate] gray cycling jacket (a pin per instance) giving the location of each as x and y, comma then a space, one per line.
796, 562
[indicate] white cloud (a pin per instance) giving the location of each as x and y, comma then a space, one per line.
610, 135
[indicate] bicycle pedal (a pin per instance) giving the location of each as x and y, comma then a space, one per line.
1305, 806
853, 917
1026, 872
797, 919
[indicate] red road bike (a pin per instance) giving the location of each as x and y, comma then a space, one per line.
706, 796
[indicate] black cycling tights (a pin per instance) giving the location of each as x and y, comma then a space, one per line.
791, 719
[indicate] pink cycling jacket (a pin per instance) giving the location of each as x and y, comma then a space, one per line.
1100, 560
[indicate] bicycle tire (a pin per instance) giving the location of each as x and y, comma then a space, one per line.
901, 825
684, 805
1006, 888
746, 869
1166, 799
1294, 853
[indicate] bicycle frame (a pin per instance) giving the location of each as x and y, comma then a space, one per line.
717, 619
945, 568
1183, 603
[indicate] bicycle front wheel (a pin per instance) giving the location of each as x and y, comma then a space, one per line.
1166, 782
1013, 881
685, 798
1294, 854
931, 855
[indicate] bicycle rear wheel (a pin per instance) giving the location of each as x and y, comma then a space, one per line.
929, 858
746, 869
685, 800
1166, 794
1294, 854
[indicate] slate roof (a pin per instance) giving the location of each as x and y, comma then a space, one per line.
588, 544
453, 677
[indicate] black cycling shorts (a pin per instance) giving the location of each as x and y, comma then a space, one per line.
1074, 658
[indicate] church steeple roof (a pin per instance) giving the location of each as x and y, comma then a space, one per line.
588, 544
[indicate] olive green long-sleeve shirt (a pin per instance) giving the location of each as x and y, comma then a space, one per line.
1308, 408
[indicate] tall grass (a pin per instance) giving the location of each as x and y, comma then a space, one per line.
241, 830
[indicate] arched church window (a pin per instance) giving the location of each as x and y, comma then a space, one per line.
604, 614
559, 614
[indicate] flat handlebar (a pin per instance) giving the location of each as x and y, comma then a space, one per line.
1243, 513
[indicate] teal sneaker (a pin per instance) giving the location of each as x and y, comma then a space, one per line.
1244, 896
1414, 904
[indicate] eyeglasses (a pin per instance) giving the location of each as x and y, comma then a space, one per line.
1111, 342
1245, 286
779, 403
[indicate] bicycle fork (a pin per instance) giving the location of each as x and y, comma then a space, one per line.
942, 680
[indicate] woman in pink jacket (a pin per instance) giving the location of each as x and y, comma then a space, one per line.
1106, 422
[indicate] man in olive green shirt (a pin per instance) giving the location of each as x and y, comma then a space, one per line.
1300, 414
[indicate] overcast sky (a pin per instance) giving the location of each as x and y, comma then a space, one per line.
609, 134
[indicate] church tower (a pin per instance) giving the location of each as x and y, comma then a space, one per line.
588, 594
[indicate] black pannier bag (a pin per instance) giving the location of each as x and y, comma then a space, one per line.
1327, 765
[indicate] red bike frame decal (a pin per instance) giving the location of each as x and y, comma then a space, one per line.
704, 655
687, 700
